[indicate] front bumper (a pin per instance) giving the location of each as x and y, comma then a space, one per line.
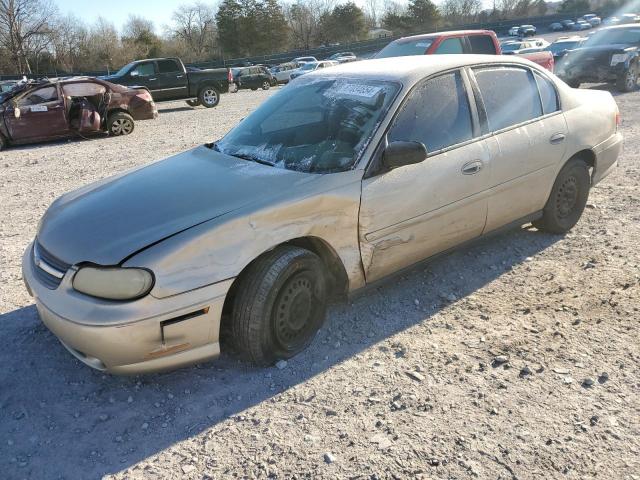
589, 73
141, 336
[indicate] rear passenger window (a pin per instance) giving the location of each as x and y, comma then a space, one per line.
510, 96
482, 44
450, 45
437, 114
548, 94
168, 66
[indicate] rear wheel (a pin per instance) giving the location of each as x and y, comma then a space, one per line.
266, 85
568, 198
280, 305
209, 96
628, 81
120, 123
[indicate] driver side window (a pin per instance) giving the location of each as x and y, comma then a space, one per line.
436, 114
143, 70
39, 96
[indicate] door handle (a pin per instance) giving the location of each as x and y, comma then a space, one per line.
471, 168
179, 76
557, 138
152, 79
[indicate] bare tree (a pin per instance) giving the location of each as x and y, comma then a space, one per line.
195, 26
304, 19
373, 10
25, 29
459, 12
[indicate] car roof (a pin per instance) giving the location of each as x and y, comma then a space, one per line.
445, 33
412, 68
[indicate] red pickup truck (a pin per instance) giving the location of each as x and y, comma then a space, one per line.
461, 41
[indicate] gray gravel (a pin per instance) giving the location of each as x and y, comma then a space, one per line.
460, 369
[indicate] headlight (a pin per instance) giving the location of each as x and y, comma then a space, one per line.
113, 283
619, 58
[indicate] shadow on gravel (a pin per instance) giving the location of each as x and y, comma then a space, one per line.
60, 419
175, 109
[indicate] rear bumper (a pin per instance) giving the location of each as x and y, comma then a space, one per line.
141, 336
607, 154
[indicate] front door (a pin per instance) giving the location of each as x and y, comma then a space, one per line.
416, 211
41, 115
144, 74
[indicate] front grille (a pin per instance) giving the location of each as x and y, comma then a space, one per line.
47, 267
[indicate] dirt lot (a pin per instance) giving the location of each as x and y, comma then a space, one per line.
475, 366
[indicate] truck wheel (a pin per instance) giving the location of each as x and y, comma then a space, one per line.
120, 123
280, 305
266, 85
209, 96
567, 200
574, 83
193, 102
628, 81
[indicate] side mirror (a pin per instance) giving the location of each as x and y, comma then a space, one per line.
399, 154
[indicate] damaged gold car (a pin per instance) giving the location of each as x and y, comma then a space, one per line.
346, 176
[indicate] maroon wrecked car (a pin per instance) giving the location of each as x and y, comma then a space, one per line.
49, 109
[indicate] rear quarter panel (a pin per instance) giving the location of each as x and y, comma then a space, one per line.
217, 77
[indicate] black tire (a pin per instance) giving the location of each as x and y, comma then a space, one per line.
574, 83
568, 198
280, 305
266, 85
209, 96
193, 102
120, 123
254, 88
628, 81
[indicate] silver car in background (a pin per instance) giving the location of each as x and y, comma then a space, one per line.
345, 177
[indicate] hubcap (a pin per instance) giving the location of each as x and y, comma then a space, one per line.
122, 126
294, 312
210, 97
567, 197
265, 85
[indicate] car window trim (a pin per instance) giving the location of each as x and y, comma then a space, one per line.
38, 87
372, 168
481, 106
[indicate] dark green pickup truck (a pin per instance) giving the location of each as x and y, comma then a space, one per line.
169, 79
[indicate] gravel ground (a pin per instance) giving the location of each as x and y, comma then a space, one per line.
515, 358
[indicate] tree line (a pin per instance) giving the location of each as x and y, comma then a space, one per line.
36, 38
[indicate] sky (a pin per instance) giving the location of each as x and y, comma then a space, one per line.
117, 11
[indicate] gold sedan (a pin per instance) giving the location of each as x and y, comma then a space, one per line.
348, 175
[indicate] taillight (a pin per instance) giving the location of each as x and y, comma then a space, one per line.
144, 95
618, 118
229, 76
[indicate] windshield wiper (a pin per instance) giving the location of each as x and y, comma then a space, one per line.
252, 158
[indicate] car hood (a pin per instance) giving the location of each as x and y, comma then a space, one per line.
108, 221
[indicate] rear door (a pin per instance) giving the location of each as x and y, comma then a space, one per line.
413, 212
41, 115
481, 44
450, 45
172, 80
527, 132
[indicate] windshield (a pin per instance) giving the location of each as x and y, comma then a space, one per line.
562, 46
510, 47
397, 49
610, 37
124, 69
315, 125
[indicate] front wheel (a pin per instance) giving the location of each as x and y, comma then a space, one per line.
120, 123
280, 305
628, 81
568, 198
209, 96
193, 102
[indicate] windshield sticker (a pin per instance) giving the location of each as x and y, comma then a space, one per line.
354, 90
39, 108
